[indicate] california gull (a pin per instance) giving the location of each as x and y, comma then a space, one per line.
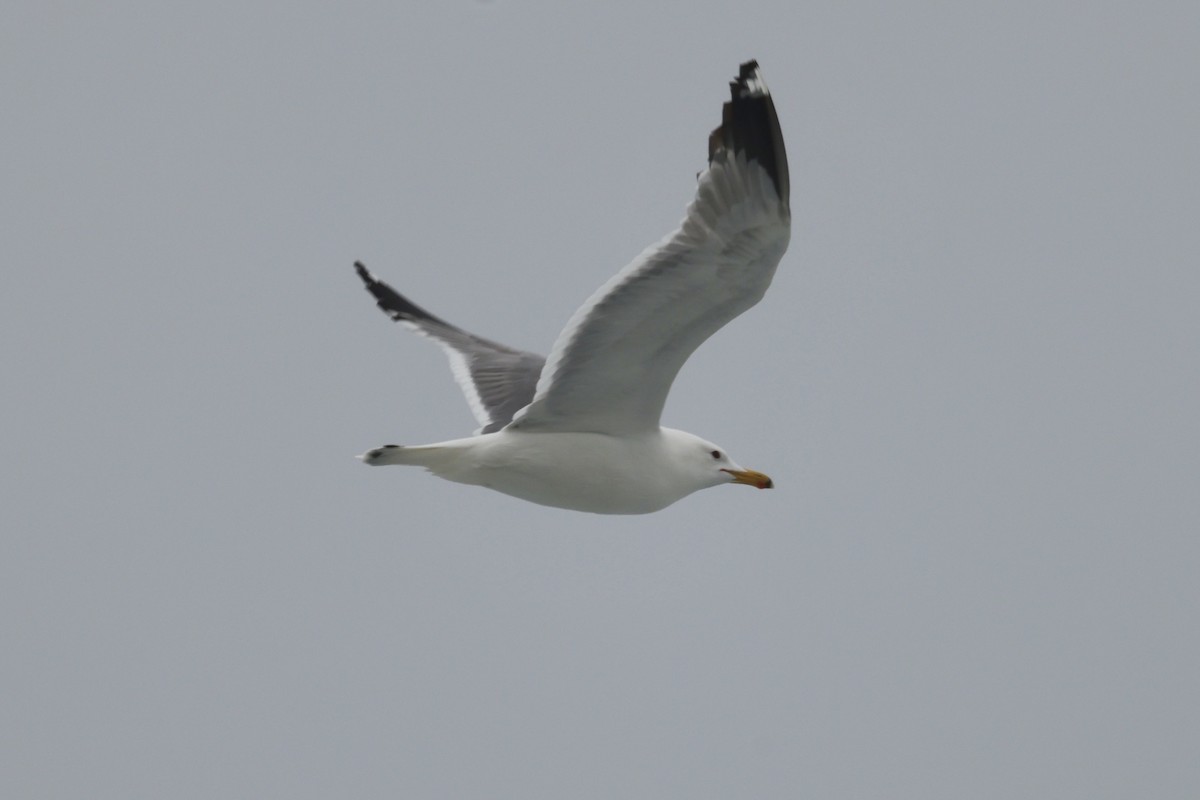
580, 429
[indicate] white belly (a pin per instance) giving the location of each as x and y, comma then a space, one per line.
580, 471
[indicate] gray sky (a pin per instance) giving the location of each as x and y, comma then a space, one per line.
974, 382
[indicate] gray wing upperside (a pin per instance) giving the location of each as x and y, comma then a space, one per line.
498, 381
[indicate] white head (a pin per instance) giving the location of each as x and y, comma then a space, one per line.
706, 464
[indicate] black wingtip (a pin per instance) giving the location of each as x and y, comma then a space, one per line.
746, 73
394, 304
749, 125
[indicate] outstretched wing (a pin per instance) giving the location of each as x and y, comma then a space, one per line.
612, 366
497, 380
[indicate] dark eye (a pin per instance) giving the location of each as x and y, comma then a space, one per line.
716, 454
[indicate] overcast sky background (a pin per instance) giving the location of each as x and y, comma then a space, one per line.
974, 382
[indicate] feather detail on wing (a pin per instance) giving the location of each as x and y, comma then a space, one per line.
497, 380
613, 364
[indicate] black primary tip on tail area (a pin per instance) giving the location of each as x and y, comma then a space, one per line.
373, 456
749, 125
394, 304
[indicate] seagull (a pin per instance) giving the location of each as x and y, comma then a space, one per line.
580, 428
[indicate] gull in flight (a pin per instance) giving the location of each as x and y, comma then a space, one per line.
580, 429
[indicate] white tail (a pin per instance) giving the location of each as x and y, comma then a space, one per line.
434, 457
388, 454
